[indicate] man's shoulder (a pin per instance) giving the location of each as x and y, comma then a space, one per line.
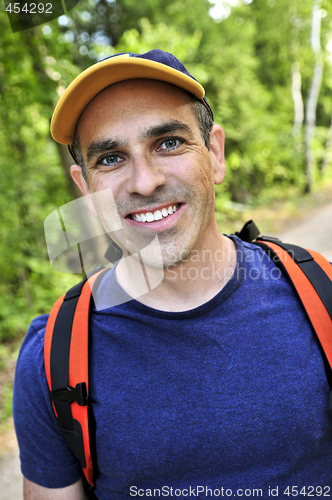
250, 254
32, 347
38, 324
37, 328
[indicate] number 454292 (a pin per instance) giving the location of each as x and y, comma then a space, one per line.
310, 491
31, 8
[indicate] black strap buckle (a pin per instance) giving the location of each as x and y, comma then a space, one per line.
70, 394
249, 232
269, 238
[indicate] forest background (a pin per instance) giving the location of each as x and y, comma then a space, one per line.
266, 66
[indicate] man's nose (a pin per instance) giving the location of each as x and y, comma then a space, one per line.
146, 176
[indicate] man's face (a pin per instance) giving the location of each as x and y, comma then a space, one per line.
141, 140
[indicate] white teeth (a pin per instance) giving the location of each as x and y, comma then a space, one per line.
157, 215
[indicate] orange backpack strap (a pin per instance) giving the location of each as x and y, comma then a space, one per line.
66, 367
311, 276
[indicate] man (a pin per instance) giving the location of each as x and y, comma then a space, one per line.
211, 383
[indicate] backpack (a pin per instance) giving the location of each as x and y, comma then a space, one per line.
67, 339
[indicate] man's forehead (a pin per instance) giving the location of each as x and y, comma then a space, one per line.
136, 90
157, 100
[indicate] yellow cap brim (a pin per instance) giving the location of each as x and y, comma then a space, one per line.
99, 76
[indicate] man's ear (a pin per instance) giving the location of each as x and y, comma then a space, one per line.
77, 176
217, 146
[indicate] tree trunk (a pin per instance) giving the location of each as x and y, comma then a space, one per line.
313, 95
327, 153
297, 99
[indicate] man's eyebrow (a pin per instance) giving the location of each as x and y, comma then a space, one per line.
165, 128
102, 146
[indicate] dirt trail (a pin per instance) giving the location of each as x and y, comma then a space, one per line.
11, 482
314, 232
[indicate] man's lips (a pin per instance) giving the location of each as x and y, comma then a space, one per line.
154, 214
158, 223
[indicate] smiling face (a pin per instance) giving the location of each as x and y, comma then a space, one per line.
141, 140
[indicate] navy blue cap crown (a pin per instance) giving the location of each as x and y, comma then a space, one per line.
166, 58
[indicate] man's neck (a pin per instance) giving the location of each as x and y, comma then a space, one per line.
184, 286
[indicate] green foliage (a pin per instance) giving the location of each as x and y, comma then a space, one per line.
7, 402
171, 39
31, 179
245, 63
8, 357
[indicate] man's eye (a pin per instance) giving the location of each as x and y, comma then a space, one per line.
109, 160
170, 143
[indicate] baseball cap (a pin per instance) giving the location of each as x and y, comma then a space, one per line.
155, 64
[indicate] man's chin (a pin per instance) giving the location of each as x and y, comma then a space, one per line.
156, 257
153, 250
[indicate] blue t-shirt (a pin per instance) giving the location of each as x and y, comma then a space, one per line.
230, 396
